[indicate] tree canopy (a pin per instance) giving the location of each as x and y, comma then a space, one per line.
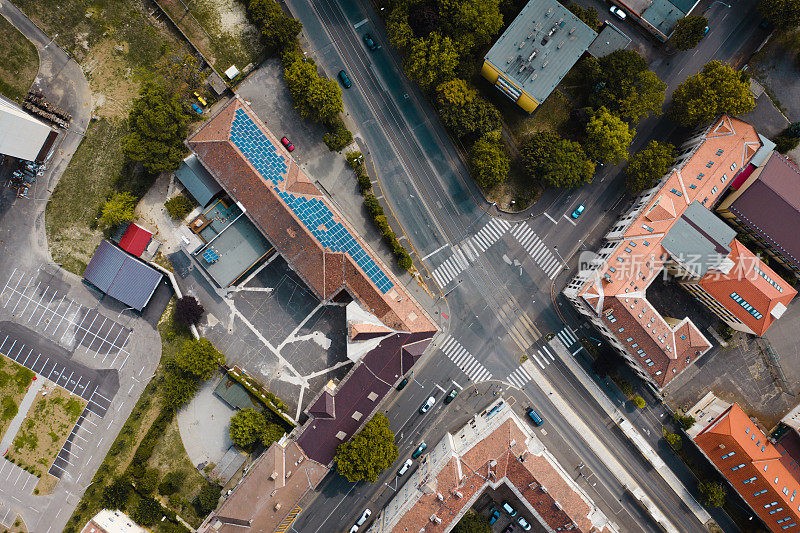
716, 89
276, 26
431, 60
159, 123
188, 311
783, 14
207, 500
463, 110
314, 97
199, 358
648, 165
471, 22
558, 162
587, 14
247, 426
608, 137
712, 493
488, 160
271, 433
622, 83
371, 451
689, 32
472, 522
178, 386
118, 209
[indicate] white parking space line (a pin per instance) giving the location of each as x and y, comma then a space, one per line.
21, 276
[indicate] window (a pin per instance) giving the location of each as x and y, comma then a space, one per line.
730, 454
714, 189
746, 481
620, 260
770, 504
750, 309
785, 491
733, 166
723, 178
760, 492
650, 363
628, 249
790, 525
658, 372
747, 430
648, 228
766, 277
629, 339
683, 337
646, 243
737, 467
776, 480
676, 192
778, 510
632, 244
648, 360
709, 164
621, 330
700, 176
692, 186
635, 345
611, 269
719, 152
794, 493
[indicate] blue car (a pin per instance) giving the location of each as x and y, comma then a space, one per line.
197, 109
578, 211
494, 514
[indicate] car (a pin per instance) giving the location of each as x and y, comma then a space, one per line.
196, 109
402, 384
617, 12
405, 467
420, 449
287, 143
510, 511
450, 397
494, 514
523, 524
370, 42
354, 528
534, 416
578, 211
345, 79
200, 99
509, 528
427, 405
706, 30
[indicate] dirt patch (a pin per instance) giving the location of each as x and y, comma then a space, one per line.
14, 383
44, 430
46, 485
19, 62
111, 78
18, 527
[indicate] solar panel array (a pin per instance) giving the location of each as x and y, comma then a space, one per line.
313, 212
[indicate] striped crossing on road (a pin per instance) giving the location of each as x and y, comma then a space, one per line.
543, 358
470, 250
519, 378
567, 336
287, 522
537, 249
464, 360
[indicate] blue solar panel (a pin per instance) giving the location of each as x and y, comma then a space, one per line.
272, 166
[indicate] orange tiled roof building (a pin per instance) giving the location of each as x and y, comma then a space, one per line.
759, 471
670, 227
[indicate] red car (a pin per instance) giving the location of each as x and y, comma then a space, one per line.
287, 143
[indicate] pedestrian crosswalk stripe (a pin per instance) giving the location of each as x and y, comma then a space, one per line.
536, 249
537, 358
567, 337
464, 360
469, 251
519, 377
552, 357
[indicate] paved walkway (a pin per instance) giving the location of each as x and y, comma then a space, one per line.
24, 407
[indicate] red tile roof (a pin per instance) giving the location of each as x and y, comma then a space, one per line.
754, 468
135, 239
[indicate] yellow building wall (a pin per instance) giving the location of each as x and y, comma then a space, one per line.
525, 101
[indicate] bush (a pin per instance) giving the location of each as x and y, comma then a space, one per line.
684, 421
404, 260
171, 483
188, 311
247, 426
675, 441
118, 209
207, 500
148, 512
115, 495
785, 143
639, 402
149, 481
372, 205
712, 493
354, 159
364, 184
179, 206
626, 388
338, 136
9, 408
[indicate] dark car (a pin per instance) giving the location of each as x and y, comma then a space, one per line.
450, 397
534, 416
345, 79
402, 384
509, 528
287, 143
421, 448
370, 42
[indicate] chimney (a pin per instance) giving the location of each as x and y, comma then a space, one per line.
439, 496
435, 519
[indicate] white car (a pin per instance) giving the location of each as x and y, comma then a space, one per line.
405, 467
617, 12
427, 405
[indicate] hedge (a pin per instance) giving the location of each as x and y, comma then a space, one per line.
272, 402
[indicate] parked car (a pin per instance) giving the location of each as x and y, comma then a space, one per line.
534, 416
509, 528
494, 514
345, 79
360, 522
405, 467
617, 12
287, 143
370, 42
196, 109
578, 211
450, 397
200, 99
523, 524
510, 511
427, 405
420, 449
402, 384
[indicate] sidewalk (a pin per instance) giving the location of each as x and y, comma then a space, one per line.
24, 407
632, 433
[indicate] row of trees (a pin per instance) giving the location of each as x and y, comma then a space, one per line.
250, 427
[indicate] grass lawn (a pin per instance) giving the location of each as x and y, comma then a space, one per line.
19, 62
14, 383
552, 115
45, 429
219, 29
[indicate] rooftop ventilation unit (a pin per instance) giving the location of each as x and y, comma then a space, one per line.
530, 35
521, 69
509, 60
521, 45
545, 63
549, 12
533, 54
572, 30
560, 45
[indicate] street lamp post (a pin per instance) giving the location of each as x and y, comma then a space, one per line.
566, 266
485, 212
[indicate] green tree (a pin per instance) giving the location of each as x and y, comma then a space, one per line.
472, 522
471, 22
148, 512
315, 98
432, 60
118, 209
488, 160
685, 421
271, 433
247, 427
159, 123
715, 90
689, 32
674, 440
463, 110
558, 162
639, 402
621, 82
199, 358
587, 14
178, 386
179, 206
207, 500
277, 28
712, 493
149, 481
171, 483
188, 311
648, 165
371, 451
338, 136
783, 14
608, 137
115, 494
398, 28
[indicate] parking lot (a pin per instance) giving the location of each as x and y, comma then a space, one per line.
76, 444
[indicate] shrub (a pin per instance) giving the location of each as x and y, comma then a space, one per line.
364, 184
674, 441
179, 206
372, 205
115, 495
118, 209
148, 512
188, 311
404, 260
685, 421
247, 426
149, 481
354, 159
785, 143
626, 388
207, 500
171, 483
9, 408
338, 136
712, 493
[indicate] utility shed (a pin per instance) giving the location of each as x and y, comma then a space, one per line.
21, 135
200, 184
122, 276
135, 239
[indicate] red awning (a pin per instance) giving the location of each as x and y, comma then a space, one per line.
135, 239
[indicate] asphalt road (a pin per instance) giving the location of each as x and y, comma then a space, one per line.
501, 304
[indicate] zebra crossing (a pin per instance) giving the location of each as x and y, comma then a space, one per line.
464, 360
519, 378
568, 337
469, 250
537, 249
545, 356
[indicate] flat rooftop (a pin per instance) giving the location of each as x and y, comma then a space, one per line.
540, 46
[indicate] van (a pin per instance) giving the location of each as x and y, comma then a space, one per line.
405, 467
509, 509
534, 416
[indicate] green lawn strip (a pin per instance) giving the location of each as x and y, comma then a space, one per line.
44, 430
551, 115
19, 62
14, 383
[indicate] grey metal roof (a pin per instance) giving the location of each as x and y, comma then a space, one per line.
610, 39
21, 135
122, 276
699, 240
197, 180
540, 46
664, 15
